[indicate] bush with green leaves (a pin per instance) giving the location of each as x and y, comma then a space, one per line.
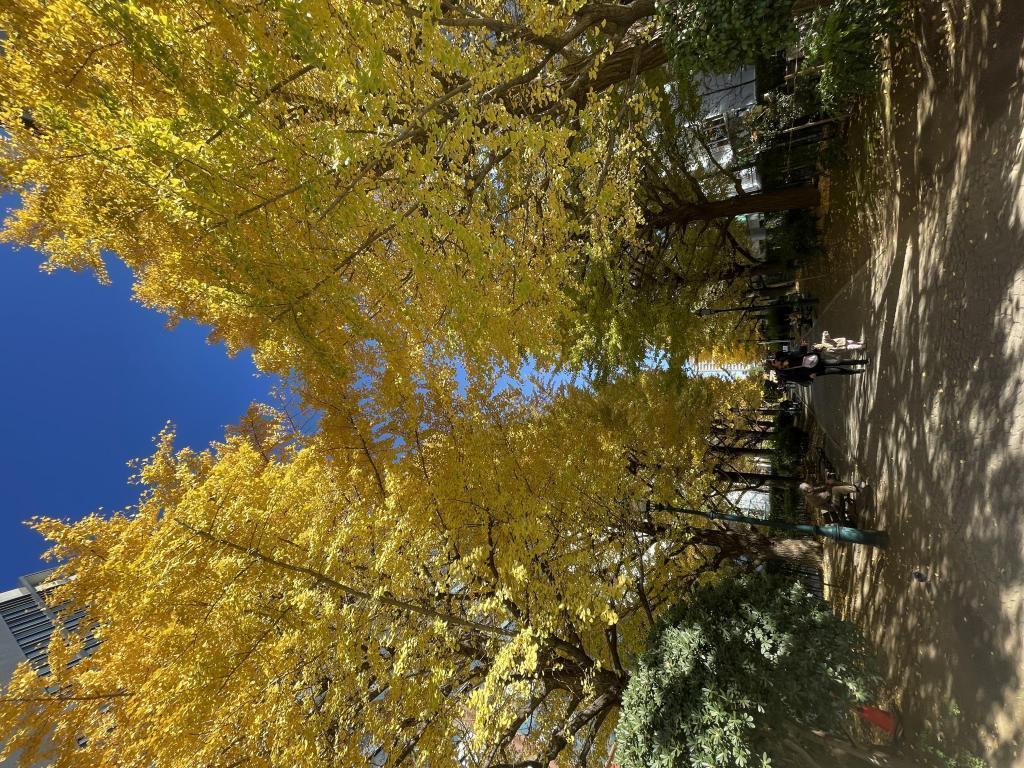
734, 674
719, 36
789, 444
937, 741
843, 44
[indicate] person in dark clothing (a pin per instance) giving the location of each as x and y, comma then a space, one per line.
809, 358
803, 366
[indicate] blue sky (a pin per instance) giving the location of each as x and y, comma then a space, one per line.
87, 379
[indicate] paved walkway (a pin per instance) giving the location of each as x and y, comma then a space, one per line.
927, 264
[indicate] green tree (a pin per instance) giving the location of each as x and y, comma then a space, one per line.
722, 35
736, 674
844, 47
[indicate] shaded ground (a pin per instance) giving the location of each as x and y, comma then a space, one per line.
926, 262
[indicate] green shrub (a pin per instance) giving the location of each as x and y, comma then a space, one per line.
792, 236
732, 668
790, 446
934, 742
843, 44
718, 36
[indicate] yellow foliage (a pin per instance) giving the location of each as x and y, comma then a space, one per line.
367, 195
277, 602
353, 190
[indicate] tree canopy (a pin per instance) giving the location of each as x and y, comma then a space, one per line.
341, 187
276, 600
718, 36
358, 191
398, 206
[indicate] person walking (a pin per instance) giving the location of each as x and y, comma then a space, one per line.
828, 496
831, 499
803, 366
838, 347
835, 351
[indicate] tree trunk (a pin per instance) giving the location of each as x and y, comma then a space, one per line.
742, 434
740, 450
733, 542
619, 66
769, 292
772, 201
757, 478
764, 269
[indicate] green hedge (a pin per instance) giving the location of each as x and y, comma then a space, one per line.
735, 667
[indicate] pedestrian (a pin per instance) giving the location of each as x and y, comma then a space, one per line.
839, 346
829, 496
803, 367
835, 352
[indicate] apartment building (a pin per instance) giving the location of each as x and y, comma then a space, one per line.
26, 624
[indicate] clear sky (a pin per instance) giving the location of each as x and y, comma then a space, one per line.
87, 379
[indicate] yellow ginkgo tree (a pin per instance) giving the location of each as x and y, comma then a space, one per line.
357, 189
341, 187
394, 204
477, 600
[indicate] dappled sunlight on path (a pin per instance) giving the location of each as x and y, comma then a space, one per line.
927, 241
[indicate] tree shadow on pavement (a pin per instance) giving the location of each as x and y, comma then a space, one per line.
927, 244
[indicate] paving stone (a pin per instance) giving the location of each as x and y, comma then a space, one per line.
926, 264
